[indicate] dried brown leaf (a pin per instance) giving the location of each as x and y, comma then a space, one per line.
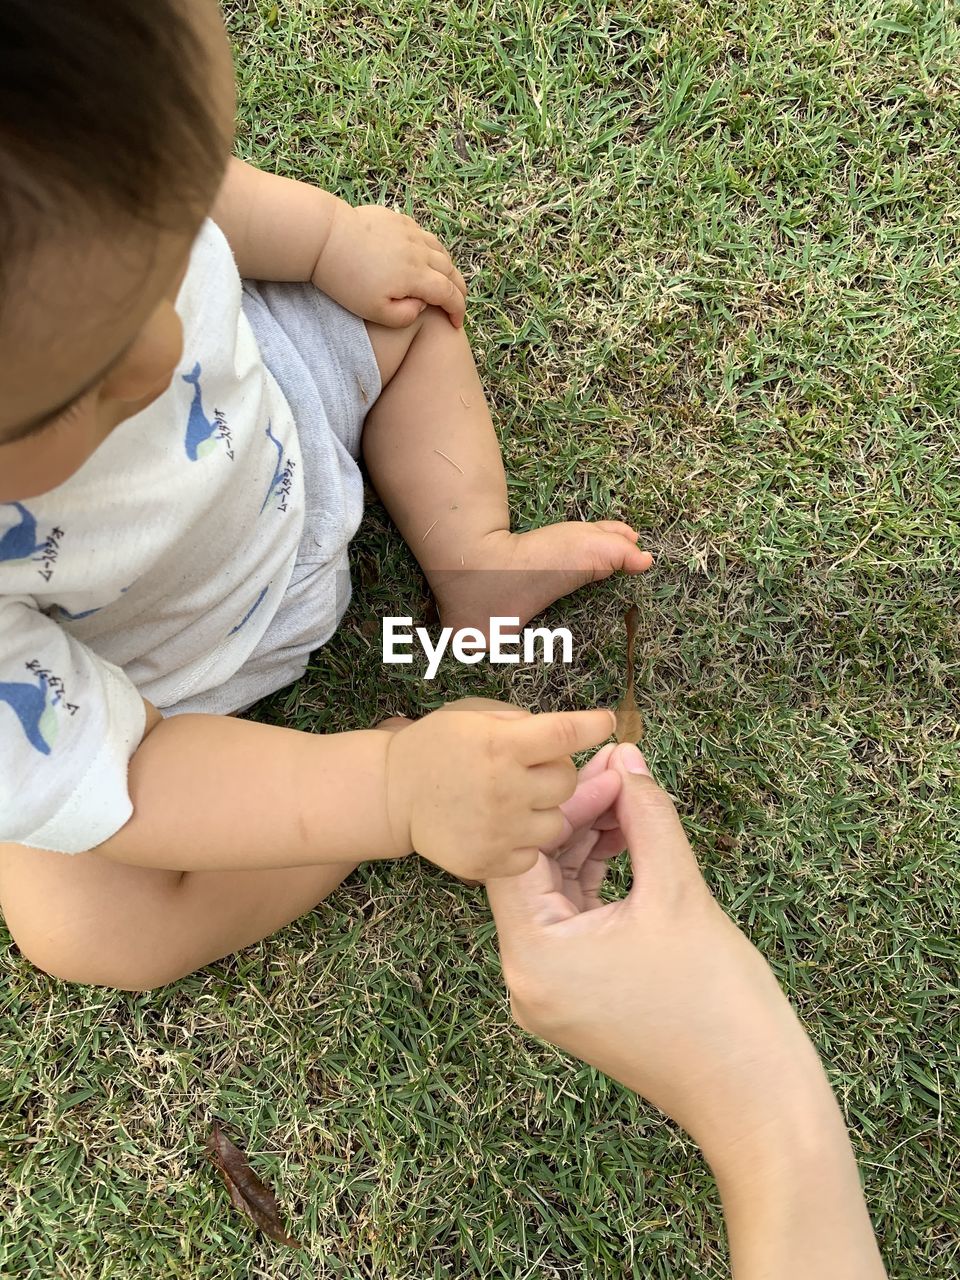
248, 1193
629, 720
460, 145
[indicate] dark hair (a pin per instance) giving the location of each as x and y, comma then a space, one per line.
104, 118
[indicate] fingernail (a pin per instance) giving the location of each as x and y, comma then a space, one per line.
632, 759
613, 717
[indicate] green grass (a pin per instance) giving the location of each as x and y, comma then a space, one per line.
714, 258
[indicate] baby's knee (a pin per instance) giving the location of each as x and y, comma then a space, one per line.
64, 948
83, 919
391, 345
90, 967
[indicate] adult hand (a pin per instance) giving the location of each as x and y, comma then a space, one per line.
660, 990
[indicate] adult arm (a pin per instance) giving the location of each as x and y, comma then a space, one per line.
665, 994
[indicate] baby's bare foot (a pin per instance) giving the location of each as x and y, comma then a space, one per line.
516, 575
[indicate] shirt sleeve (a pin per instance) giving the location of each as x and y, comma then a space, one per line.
69, 723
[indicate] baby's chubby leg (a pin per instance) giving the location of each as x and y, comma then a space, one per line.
89, 919
433, 456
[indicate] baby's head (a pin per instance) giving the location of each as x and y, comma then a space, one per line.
116, 119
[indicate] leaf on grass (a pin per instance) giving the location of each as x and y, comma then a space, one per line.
629, 720
460, 145
247, 1192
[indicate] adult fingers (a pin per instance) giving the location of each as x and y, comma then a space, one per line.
527, 901
561, 733
590, 877
572, 854
610, 843
657, 843
607, 821
597, 763
591, 799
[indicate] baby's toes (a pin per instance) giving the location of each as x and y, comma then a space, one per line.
617, 526
621, 552
637, 561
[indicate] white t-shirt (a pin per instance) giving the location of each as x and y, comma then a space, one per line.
154, 570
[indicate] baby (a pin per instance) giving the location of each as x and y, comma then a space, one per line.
179, 483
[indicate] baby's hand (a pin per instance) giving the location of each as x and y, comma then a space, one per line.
383, 266
476, 787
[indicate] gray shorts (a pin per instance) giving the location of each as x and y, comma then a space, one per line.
321, 356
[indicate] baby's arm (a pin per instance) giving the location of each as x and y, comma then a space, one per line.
374, 261
214, 792
276, 227
474, 787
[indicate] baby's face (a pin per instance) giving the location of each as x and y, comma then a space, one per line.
96, 337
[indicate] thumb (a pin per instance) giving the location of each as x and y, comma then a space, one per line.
528, 901
402, 311
657, 843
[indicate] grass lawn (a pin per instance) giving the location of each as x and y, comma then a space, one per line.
714, 258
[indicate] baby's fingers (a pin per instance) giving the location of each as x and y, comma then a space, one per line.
440, 290
541, 830
440, 254
550, 785
441, 262
433, 242
561, 733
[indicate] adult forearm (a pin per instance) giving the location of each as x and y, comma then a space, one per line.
791, 1194
276, 227
214, 792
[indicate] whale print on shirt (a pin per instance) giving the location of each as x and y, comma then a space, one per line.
34, 710
84, 613
250, 612
20, 542
281, 473
202, 432
75, 617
